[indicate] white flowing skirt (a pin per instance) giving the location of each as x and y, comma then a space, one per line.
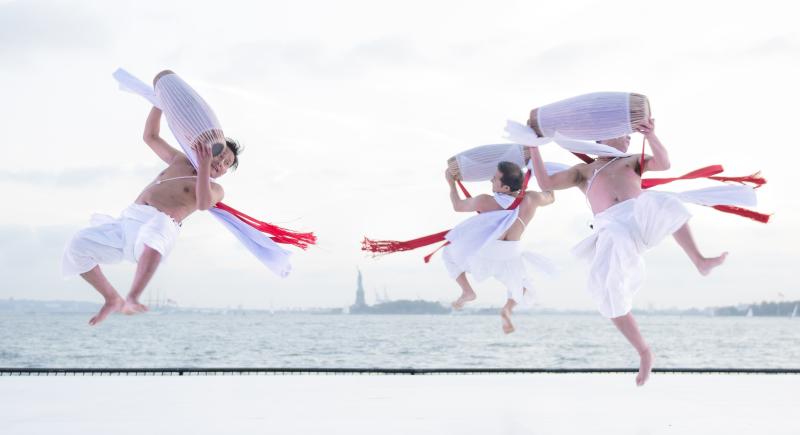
111, 240
505, 261
622, 234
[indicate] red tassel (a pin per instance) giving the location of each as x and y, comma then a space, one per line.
379, 247
755, 179
427, 258
754, 215
382, 247
705, 172
279, 235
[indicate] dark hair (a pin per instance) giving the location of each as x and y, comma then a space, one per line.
236, 149
512, 175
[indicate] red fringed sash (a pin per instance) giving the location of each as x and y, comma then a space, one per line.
709, 172
381, 247
279, 235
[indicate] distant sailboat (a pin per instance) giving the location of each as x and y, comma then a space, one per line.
749, 312
794, 312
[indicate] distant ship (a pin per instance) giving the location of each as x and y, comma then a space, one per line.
403, 306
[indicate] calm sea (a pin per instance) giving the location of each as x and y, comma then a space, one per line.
469, 341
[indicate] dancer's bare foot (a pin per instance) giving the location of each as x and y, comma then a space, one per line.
705, 265
111, 306
465, 297
645, 366
132, 306
505, 315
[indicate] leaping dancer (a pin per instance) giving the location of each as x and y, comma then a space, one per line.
488, 244
628, 220
146, 231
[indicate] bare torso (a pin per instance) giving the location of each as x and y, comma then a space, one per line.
526, 212
175, 197
616, 181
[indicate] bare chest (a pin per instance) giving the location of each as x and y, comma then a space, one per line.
611, 183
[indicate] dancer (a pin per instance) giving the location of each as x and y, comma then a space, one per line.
489, 244
146, 231
627, 221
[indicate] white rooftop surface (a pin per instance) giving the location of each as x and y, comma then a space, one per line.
380, 404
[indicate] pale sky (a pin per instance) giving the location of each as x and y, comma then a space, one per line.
348, 111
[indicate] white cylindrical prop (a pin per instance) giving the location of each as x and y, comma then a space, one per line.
480, 163
595, 116
189, 117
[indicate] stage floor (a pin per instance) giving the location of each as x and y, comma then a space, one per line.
483, 404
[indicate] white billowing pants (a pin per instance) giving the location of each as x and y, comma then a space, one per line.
622, 233
110, 240
505, 261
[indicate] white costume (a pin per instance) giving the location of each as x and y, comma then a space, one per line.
109, 240
622, 233
475, 248
192, 120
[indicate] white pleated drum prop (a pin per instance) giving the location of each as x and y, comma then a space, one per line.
480, 163
189, 117
595, 116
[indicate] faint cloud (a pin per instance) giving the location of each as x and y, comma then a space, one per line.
313, 59
28, 28
783, 45
77, 177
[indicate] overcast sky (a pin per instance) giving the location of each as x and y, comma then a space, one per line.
348, 111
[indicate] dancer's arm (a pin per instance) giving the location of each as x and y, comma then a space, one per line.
152, 128
206, 196
659, 161
560, 180
541, 199
478, 203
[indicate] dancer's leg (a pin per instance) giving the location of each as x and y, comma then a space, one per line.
146, 267
628, 327
467, 294
686, 241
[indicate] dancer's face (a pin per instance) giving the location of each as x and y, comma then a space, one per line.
621, 143
497, 185
221, 163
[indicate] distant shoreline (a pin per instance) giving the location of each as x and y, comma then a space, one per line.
762, 309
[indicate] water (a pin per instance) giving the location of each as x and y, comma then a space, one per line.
468, 341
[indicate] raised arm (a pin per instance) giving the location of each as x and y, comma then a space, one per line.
152, 128
478, 203
558, 181
659, 161
540, 199
206, 196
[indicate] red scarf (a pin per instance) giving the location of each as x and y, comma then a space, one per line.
709, 172
279, 235
380, 247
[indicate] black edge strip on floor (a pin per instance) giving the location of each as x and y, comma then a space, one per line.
181, 371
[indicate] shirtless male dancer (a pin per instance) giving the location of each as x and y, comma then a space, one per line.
146, 230
627, 222
501, 258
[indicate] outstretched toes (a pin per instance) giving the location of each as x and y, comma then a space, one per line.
111, 306
706, 265
505, 316
645, 367
459, 303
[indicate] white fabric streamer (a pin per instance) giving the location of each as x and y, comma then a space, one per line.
475, 248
